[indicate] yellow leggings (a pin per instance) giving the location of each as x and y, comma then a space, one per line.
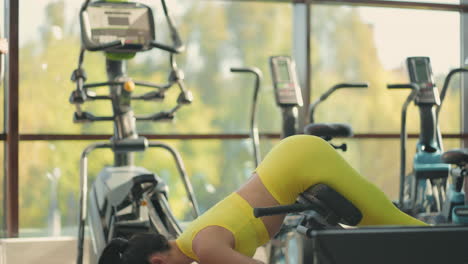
299, 162
290, 168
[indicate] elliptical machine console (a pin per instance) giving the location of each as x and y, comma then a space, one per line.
123, 27
110, 22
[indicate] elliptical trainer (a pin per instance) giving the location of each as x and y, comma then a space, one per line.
125, 199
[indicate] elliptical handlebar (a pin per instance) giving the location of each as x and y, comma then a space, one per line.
81, 94
150, 96
176, 49
178, 45
106, 46
324, 96
85, 5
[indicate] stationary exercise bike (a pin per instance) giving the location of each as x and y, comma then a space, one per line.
288, 98
423, 192
125, 199
324, 208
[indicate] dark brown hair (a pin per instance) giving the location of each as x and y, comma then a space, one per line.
137, 250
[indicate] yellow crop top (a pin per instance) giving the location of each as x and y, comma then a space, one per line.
236, 215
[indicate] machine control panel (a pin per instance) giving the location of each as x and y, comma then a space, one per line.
420, 72
285, 83
104, 22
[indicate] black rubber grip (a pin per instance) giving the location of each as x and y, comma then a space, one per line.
399, 86
130, 145
109, 45
352, 85
283, 209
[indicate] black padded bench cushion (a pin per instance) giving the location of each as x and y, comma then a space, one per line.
329, 130
456, 156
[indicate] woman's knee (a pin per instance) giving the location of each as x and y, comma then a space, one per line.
297, 153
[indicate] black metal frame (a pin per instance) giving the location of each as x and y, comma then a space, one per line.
12, 137
372, 3
464, 54
12, 121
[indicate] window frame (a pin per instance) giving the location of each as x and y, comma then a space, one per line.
301, 44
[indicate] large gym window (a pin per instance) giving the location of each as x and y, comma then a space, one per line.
430, 1
2, 68
363, 44
2, 177
2, 103
49, 53
49, 180
348, 44
379, 160
2, 121
49, 48
369, 45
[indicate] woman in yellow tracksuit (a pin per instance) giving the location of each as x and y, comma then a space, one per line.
228, 233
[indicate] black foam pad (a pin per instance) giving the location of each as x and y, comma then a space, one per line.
456, 156
329, 130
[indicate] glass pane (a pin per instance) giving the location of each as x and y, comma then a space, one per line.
369, 45
2, 196
215, 168
236, 34
429, 1
2, 66
50, 207
379, 160
49, 180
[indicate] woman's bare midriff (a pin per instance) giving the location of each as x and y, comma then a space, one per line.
257, 195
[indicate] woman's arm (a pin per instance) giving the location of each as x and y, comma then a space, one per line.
215, 254
215, 245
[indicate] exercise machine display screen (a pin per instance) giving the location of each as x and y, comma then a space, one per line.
106, 22
283, 71
118, 21
420, 72
287, 90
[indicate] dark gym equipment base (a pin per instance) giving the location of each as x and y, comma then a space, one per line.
404, 245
